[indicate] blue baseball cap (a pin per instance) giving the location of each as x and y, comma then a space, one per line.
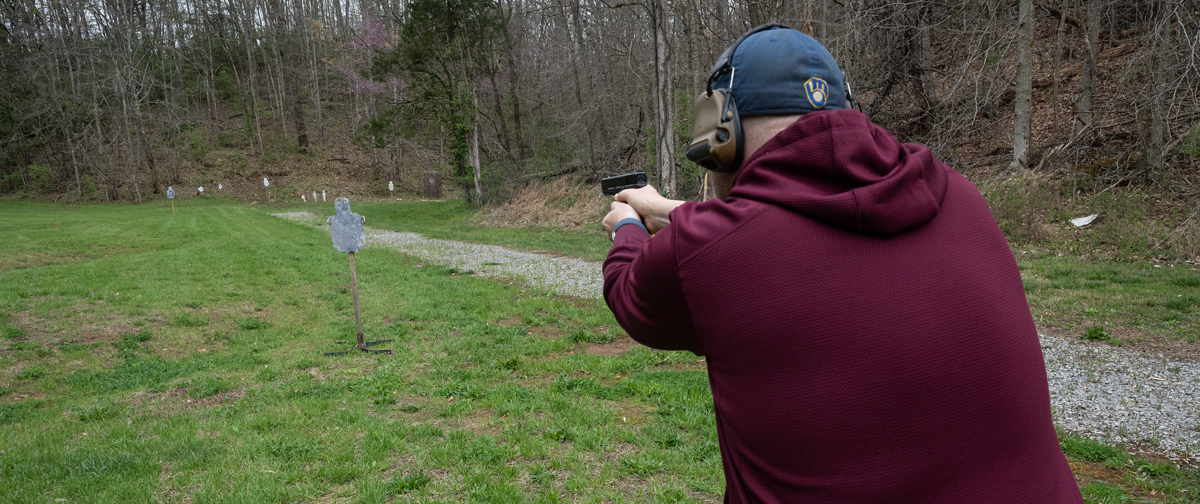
778, 70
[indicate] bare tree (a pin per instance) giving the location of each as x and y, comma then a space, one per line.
664, 92
117, 95
1159, 81
1087, 82
1024, 93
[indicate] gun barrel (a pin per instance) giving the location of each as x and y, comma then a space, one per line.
615, 184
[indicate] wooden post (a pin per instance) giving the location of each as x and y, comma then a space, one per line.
172, 207
354, 291
347, 232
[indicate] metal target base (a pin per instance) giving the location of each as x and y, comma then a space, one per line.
362, 347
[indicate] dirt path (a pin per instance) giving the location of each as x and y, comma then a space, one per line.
1105, 393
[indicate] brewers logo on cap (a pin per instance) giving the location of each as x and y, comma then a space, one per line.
817, 91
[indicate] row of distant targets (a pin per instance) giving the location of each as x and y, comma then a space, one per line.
267, 183
171, 190
304, 198
313, 196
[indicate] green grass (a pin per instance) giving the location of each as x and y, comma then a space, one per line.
1091, 451
1126, 475
1093, 297
1104, 493
185, 363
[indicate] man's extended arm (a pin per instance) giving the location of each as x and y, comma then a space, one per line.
643, 290
654, 209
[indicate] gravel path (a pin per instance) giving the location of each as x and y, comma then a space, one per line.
560, 275
1117, 396
1096, 390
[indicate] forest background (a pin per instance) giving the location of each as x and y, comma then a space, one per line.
1055, 108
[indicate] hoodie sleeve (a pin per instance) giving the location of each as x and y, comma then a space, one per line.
643, 290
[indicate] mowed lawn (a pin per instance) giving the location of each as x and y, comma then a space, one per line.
151, 357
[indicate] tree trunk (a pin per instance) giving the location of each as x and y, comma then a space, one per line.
1160, 105
314, 90
576, 43
127, 92
1087, 82
251, 81
501, 121
296, 71
1024, 96
663, 100
1058, 49
926, 58
823, 21
129, 155
291, 82
807, 25
513, 78
474, 153
74, 165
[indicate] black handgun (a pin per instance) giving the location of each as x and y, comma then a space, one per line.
618, 183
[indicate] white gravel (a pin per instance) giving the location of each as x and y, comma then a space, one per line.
1121, 397
1098, 391
560, 275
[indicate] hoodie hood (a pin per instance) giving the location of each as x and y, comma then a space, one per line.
837, 167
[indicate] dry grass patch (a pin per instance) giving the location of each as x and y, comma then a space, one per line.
179, 399
618, 347
564, 204
629, 413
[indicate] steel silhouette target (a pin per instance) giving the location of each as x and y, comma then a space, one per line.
346, 228
346, 231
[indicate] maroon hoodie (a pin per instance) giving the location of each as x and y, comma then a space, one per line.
864, 322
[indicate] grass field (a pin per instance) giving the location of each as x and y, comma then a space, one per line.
151, 357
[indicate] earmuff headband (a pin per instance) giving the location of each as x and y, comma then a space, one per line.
717, 136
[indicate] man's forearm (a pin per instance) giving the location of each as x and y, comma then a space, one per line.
643, 291
658, 213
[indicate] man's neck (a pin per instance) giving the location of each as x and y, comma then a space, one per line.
758, 130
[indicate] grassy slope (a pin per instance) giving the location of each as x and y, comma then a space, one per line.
152, 357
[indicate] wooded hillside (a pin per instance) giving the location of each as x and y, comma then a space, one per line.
116, 99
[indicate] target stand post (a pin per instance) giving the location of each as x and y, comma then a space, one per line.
346, 230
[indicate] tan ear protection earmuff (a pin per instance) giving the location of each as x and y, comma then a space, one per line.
717, 141
716, 131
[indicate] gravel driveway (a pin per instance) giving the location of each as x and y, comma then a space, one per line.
1096, 390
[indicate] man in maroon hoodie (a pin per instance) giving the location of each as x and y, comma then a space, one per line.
865, 326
